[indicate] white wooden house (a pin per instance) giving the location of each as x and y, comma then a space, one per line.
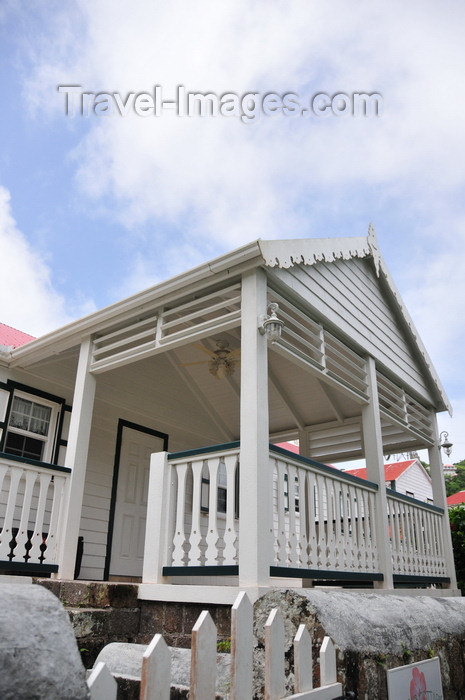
408, 477
145, 428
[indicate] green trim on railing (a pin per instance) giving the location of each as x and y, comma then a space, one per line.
411, 578
34, 462
325, 467
228, 570
414, 501
205, 450
291, 572
24, 567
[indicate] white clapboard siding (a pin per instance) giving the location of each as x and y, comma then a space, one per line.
4, 397
415, 482
348, 293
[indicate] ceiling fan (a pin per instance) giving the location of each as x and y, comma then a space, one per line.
222, 362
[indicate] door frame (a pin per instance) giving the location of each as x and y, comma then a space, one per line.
114, 486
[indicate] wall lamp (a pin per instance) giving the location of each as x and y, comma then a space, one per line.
446, 443
271, 325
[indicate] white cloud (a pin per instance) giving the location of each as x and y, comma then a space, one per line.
28, 301
186, 189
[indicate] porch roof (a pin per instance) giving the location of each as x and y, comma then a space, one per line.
270, 254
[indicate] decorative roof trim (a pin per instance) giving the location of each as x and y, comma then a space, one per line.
309, 251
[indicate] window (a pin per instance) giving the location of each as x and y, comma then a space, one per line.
296, 494
30, 427
221, 490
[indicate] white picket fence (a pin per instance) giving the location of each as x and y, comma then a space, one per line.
156, 663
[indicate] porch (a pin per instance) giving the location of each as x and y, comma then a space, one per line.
188, 364
323, 529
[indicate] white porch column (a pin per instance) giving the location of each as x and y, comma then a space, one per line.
158, 519
76, 459
373, 445
440, 500
256, 489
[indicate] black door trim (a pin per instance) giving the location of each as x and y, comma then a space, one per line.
111, 517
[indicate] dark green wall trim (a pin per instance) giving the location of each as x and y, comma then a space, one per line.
404, 578
25, 568
35, 392
7, 415
414, 501
285, 572
11, 386
59, 430
114, 486
205, 450
34, 463
324, 467
229, 570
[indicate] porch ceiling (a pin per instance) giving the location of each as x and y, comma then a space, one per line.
174, 392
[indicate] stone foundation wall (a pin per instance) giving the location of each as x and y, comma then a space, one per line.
102, 613
372, 632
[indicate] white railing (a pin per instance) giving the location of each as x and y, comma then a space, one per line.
205, 485
156, 663
30, 503
324, 523
323, 519
417, 542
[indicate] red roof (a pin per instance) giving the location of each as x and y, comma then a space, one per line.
289, 446
456, 499
13, 338
391, 471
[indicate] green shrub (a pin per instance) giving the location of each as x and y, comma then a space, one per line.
457, 527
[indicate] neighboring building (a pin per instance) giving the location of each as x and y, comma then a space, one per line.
128, 428
449, 470
457, 499
408, 477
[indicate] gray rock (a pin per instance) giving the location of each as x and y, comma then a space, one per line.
39, 658
366, 622
125, 662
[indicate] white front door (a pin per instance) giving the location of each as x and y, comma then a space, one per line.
127, 551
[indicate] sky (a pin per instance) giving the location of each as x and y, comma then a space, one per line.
105, 194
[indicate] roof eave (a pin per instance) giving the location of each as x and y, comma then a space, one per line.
239, 260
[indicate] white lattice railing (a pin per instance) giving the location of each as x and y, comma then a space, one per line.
323, 519
30, 502
417, 542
